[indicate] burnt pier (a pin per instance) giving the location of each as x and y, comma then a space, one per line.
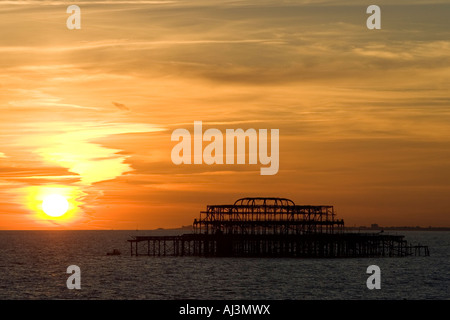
273, 227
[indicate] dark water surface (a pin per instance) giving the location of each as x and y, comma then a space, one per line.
33, 266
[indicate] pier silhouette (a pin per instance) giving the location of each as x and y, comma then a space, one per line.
273, 227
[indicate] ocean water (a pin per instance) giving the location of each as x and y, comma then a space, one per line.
33, 265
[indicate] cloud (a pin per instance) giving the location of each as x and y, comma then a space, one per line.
72, 147
75, 150
2, 155
39, 99
121, 106
36, 172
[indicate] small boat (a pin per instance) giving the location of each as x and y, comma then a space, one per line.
115, 252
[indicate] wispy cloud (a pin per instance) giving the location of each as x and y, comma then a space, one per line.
125, 44
39, 99
76, 150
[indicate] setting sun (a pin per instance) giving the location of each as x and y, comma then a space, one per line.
55, 205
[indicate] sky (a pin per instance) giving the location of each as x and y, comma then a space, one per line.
363, 115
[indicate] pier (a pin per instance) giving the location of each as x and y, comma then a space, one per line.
273, 227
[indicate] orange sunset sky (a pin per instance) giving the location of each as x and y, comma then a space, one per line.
363, 115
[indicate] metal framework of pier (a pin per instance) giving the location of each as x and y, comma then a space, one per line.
272, 227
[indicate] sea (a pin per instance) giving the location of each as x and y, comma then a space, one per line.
33, 266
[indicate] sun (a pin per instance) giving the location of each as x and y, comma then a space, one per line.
55, 205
